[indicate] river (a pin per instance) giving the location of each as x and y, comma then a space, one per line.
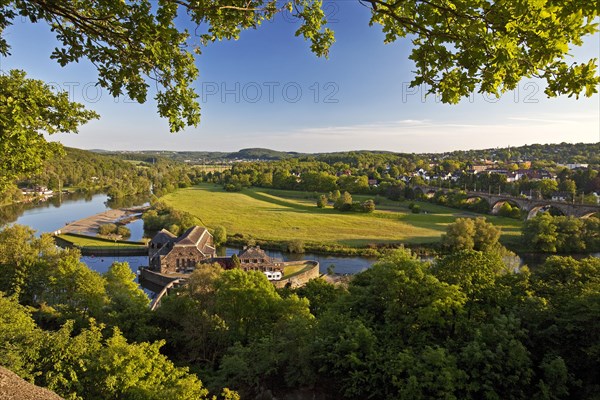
51, 215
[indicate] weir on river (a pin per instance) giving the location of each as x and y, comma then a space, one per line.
89, 226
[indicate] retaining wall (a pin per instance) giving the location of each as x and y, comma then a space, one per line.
157, 282
156, 278
300, 279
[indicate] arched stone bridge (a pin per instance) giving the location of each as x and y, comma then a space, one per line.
532, 206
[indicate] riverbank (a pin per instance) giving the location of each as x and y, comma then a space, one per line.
373, 251
95, 246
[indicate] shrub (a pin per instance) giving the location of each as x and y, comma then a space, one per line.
174, 229
219, 235
233, 187
322, 201
123, 231
344, 203
368, 206
334, 196
107, 229
416, 208
112, 229
295, 246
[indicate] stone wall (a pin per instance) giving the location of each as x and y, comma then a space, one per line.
180, 258
156, 278
302, 278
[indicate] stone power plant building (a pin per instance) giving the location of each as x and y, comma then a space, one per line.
169, 254
171, 259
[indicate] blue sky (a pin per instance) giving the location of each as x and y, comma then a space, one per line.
268, 90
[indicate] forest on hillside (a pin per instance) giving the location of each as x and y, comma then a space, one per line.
550, 153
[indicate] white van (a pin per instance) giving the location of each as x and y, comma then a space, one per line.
273, 275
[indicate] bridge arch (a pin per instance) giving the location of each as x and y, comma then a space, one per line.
507, 208
429, 193
551, 208
418, 192
164, 292
478, 204
590, 214
524, 204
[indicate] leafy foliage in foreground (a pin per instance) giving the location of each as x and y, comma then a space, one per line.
465, 326
82, 335
458, 48
89, 364
29, 107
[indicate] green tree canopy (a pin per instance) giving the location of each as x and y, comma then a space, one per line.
220, 235
89, 364
127, 303
469, 234
28, 109
458, 48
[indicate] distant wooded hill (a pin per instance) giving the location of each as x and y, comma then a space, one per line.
559, 153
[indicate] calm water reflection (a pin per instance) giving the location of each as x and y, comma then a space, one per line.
101, 264
49, 216
137, 230
53, 214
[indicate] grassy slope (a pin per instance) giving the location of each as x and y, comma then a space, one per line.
284, 215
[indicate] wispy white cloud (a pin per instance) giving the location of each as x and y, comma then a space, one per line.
431, 136
545, 120
403, 135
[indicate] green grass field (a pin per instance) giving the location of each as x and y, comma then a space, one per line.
98, 243
284, 215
